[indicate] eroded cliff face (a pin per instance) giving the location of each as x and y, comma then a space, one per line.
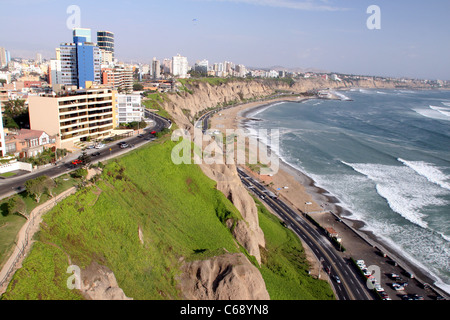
226, 277
233, 276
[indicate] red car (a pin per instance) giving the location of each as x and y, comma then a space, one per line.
76, 162
153, 132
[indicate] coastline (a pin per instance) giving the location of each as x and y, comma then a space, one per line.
325, 208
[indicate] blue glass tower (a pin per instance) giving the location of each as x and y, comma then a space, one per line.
80, 60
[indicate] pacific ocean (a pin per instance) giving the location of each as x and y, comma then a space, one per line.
385, 155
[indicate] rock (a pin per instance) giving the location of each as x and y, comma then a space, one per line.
225, 277
247, 232
99, 283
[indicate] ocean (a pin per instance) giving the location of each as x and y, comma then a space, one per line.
385, 155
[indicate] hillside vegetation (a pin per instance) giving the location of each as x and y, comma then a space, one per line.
181, 216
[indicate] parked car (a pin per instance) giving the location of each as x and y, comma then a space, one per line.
124, 145
77, 162
153, 132
95, 154
100, 145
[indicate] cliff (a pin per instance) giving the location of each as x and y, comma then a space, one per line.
222, 277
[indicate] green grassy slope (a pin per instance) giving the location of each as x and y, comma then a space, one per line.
181, 216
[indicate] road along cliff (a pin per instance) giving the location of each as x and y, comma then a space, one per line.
233, 276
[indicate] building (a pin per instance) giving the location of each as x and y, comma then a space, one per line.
201, 66
73, 116
3, 57
156, 69
128, 108
68, 58
54, 72
107, 58
82, 35
119, 78
88, 64
167, 66
105, 41
180, 66
26, 143
80, 60
123, 79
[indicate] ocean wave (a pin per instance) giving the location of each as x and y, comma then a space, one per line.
430, 172
433, 114
444, 111
341, 95
406, 192
257, 111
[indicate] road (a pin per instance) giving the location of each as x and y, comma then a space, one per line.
350, 286
16, 184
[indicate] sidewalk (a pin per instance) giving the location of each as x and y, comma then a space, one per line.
25, 236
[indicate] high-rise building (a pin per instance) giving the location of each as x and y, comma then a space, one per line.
68, 58
3, 58
38, 58
88, 64
54, 72
179, 66
105, 41
82, 35
167, 66
156, 69
80, 60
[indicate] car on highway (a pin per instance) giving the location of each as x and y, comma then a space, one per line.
95, 154
384, 295
123, 145
77, 162
100, 145
336, 278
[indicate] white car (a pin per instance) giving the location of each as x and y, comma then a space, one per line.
100, 145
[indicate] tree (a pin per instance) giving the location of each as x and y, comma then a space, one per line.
85, 158
49, 185
17, 205
80, 173
138, 87
36, 187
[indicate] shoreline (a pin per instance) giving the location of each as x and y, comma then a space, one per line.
331, 208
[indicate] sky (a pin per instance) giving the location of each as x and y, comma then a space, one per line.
331, 35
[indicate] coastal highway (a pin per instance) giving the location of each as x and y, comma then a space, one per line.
16, 184
350, 286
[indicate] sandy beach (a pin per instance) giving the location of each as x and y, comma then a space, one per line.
300, 191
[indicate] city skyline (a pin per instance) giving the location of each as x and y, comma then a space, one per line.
326, 35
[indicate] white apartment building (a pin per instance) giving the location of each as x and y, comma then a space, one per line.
180, 66
128, 108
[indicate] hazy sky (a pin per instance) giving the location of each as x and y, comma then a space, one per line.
414, 39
